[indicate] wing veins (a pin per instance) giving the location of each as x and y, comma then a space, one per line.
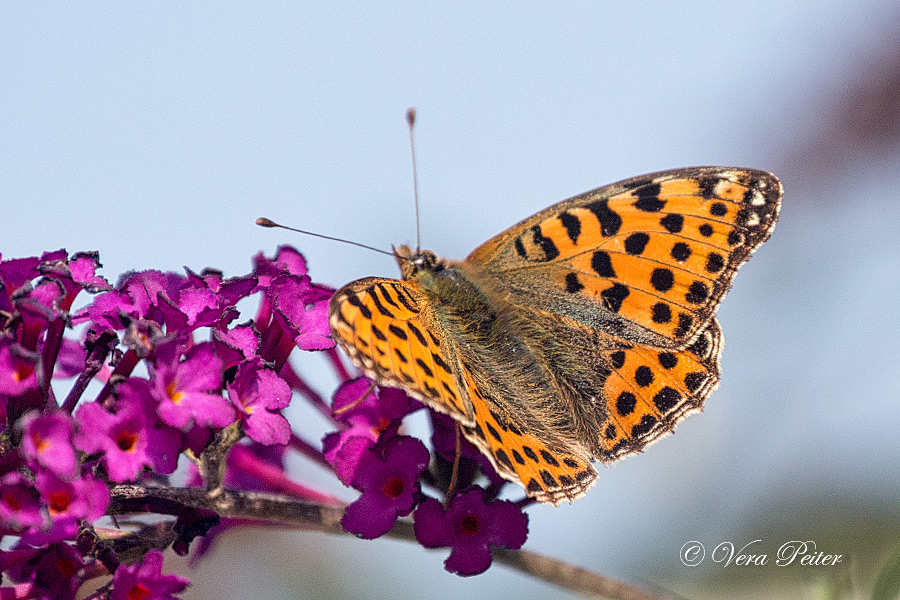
692, 309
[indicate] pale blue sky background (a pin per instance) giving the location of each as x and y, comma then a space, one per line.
157, 132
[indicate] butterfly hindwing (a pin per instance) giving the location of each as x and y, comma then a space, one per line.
384, 326
549, 475
648, 258
649, 390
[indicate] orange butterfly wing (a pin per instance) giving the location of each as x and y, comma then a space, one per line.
386, 327
650, 390
547, 475
648, 259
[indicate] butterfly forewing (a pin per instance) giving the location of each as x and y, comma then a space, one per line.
381, 325
648, 258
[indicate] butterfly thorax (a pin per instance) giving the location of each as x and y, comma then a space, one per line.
500, 345
446, 284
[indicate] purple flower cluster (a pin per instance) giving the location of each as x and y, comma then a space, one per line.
370, 454
159, 366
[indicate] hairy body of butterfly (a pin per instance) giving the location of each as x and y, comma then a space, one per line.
587, 331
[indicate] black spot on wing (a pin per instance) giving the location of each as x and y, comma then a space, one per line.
662, 280
625, 403
397, 331
645, 426
661, 313
707, 187
449, 390
546, 244
419, 335
643, 376
386, 296
693, 381
405, 299
503, 458
685, 322
440, 362
636, 242
714, 262
548, 479
425, 368
648, 198
572, 283
610, 432
667, 360
614, 296
680, 251
610, 221
354, 300
572, 225
520, 248
381, 308
602, 264
551, 460
697, 293
666, 399
672, 223
434, 339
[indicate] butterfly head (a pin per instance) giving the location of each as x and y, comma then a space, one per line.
414, 261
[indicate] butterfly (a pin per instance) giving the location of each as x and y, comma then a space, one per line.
585, 332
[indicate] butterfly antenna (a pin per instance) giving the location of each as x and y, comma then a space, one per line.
454, 474
411, 119
264, 222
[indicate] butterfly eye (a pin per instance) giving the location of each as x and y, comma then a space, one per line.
426, 260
